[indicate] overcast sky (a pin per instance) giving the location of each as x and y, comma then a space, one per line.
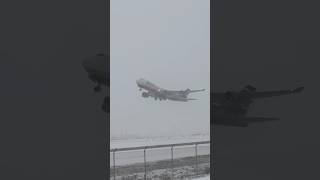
168, 43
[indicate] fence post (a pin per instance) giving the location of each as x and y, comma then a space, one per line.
114, 164
172, 162
196, 149
145, 163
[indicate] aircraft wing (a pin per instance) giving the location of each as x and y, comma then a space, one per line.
193, 91
266, 94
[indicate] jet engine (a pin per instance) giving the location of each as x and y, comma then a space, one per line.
145, 94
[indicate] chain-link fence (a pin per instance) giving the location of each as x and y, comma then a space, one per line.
169, 161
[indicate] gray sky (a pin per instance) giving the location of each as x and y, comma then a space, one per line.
168, 43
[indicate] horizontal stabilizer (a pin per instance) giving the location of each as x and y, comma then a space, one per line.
198, 90
192, 91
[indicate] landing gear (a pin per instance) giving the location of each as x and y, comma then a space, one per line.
145, 94
140, 89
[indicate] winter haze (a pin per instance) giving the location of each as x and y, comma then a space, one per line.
168, 43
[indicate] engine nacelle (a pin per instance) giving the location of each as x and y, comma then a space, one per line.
145, 94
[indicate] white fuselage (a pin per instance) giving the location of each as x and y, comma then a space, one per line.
160, 93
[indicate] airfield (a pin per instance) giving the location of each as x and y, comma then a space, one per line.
159, 162
203, 178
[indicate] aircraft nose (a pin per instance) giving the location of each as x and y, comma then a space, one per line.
139, 82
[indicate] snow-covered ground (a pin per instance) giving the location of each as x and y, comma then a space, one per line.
130, 157
149, 141
203, 178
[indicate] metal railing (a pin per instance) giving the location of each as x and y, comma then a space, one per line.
144, 148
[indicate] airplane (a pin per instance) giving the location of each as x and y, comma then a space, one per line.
96, 68
230, 108
156, 92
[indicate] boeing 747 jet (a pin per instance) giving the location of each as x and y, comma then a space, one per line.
152, 90
228, 108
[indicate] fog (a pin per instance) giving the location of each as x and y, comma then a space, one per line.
168, 43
